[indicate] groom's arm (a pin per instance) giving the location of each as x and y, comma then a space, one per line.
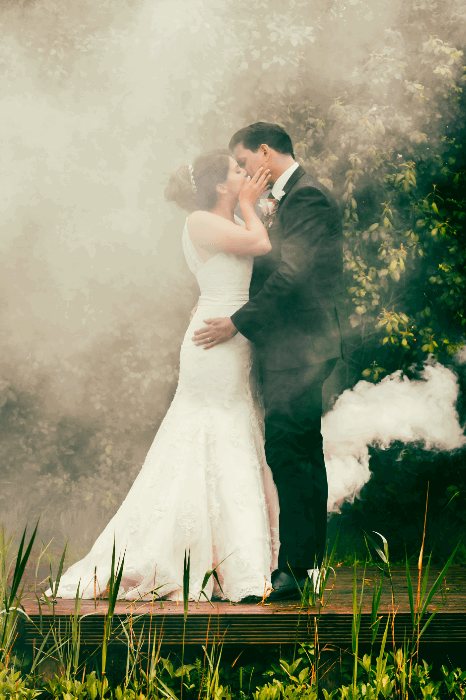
309, 236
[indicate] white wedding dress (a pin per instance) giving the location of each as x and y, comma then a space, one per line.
205, 485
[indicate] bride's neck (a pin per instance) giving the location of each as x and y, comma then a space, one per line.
225, 209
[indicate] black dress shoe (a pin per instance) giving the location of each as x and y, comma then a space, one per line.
284, 586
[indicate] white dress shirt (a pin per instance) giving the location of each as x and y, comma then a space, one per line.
277, 189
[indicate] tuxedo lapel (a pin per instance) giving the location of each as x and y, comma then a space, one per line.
295, 176
287, 187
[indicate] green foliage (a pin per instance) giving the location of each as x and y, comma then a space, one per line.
11, 589
394, 504
14, 686
148, 674
387, 137
384, 677
88, 689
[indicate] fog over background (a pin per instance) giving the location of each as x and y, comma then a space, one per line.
100, 101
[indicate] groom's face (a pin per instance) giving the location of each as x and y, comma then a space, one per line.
249, 160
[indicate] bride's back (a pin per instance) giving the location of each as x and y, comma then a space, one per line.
224, 278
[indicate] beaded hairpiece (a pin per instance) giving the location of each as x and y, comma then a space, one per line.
191, 174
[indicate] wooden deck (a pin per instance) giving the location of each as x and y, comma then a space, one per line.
269, 624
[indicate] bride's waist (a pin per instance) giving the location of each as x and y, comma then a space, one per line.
224, 298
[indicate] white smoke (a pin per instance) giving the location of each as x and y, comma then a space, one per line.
461, 355
397, 409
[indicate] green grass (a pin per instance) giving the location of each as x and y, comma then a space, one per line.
141, 668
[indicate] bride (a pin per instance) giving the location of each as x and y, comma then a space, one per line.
205, 486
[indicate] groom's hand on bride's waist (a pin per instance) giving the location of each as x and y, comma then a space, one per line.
218, 330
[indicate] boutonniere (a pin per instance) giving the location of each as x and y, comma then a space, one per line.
268, 208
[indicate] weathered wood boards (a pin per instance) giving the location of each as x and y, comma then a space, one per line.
245, 624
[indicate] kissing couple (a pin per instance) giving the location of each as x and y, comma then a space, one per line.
244, 490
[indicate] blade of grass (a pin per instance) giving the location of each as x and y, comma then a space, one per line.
60, 569
381, 662
385, 545
213, 573
438, 581
37, 658
424, 580
186, 570
356, 622
377, 592
21, 562
44, 550
376, 546
113, 589
430, 620
325, 571
410, 594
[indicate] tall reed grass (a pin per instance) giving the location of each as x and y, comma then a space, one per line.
387, 671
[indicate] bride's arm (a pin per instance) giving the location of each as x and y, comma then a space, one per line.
214, 233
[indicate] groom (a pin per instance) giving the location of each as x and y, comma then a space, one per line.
292, 321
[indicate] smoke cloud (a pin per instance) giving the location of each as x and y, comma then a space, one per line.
419, 411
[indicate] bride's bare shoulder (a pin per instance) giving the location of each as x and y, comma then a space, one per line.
200, 217
201, 223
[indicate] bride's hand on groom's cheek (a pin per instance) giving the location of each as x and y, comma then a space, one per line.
218, 330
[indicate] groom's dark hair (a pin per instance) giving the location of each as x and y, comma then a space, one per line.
252, 136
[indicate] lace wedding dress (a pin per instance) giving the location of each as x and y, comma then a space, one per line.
205, 485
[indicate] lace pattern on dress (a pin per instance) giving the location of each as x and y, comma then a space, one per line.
204, 486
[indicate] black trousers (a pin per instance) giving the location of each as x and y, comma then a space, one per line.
293, 447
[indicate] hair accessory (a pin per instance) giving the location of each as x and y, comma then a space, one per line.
191, 175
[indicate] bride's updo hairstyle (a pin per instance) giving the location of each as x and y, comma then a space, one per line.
194, 187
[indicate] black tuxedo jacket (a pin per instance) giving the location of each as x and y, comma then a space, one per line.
291, 316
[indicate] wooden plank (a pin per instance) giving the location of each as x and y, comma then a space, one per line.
271, 624
337, 597
332, 629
